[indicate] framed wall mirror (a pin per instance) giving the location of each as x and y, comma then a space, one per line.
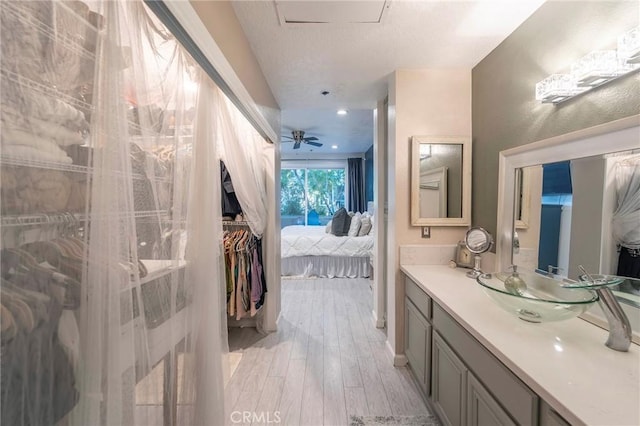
440, 181
572, 185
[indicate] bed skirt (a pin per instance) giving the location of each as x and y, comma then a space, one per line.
326, 266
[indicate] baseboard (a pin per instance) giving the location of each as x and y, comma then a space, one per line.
399, 360
377, 322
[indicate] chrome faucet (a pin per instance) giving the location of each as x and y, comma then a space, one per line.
619, 328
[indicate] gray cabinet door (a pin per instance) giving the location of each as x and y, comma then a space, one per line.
482, 408
449, 383
549, 417
418, 345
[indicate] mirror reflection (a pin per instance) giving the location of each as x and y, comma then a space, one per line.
440, 180
437, 180
585, 211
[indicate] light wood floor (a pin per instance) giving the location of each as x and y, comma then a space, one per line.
326, 362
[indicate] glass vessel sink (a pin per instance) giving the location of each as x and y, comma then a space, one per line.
537, 298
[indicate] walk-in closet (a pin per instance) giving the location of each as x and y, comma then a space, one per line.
113, 295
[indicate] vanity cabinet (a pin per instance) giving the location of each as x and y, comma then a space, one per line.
418, 330
549, 417
463, 381
449, 383
482, 408
418, 347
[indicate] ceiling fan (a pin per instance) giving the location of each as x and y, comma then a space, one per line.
298, 138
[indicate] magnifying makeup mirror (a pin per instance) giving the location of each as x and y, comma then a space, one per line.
478, 241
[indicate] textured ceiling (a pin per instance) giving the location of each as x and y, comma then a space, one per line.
353, 60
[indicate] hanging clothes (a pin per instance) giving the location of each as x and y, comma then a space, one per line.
40, 338
230, 205
627, 216
245, 280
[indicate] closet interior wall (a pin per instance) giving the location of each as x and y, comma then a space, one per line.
112, 292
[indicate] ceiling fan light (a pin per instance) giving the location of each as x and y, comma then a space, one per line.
342, 112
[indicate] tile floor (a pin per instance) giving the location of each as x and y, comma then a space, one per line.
326, 362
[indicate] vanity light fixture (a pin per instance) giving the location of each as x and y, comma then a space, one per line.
342, 112
592, 70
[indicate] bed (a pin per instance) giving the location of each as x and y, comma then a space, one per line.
311, 251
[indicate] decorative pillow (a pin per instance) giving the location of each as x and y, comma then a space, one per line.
327, 229
340, 223
365, 226
354, 228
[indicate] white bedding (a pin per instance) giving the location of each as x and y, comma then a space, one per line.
298, 240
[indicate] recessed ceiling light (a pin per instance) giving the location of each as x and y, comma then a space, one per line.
342, 112
334, 146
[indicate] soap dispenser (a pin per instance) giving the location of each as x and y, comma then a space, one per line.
514, 284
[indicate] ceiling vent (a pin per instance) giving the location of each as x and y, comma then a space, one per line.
331, 12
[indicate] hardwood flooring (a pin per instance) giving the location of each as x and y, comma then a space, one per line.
326, 363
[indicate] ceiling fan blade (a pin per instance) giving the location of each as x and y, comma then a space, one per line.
311, 138
288, 137
314, 143
296, 145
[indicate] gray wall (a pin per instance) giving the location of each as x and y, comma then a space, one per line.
505, 112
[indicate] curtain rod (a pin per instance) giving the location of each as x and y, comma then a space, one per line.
164, 14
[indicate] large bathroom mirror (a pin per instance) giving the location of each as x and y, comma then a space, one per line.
522, 207
440, 181
572, 185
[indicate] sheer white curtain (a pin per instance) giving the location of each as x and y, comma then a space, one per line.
113, 304
243, 151
626, 217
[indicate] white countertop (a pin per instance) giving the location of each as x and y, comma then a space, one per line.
566, 363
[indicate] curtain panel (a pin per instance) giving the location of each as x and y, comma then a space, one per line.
357, 201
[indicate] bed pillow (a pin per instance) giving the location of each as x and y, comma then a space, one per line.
354, 227
327, 229
365, 226
340, 223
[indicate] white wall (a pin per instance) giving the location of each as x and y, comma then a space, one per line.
220, 20
379, 199
428, 102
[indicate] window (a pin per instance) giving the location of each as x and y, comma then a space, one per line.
311, 195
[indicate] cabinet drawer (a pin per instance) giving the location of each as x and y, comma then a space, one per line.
418, 297
515, 397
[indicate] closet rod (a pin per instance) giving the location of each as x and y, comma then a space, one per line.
164, 14
235, 223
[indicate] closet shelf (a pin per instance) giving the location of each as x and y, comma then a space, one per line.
49, 165
43, 89
24, 162
71, 218
52, 92
159, 268
72, 44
